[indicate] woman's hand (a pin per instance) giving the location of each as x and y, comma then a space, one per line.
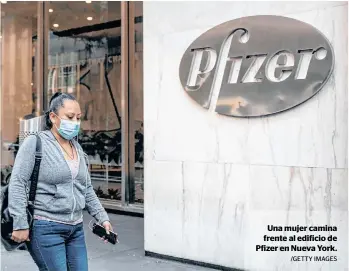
107, 226
20, 236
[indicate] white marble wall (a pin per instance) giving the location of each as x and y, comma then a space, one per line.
214, 183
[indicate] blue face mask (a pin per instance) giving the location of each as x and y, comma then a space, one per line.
68, 129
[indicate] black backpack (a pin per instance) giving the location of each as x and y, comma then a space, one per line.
6, 219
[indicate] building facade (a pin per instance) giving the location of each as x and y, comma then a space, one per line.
215, 189
216, 182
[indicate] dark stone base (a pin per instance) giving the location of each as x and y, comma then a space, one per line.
186, 261
123, 212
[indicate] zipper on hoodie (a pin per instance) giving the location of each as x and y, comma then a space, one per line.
77, 153
74, 205
71, 174
72, 187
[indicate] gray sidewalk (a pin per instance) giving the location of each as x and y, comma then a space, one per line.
128, 255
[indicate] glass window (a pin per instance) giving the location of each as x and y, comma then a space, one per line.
18, 73
84, 60
136, 99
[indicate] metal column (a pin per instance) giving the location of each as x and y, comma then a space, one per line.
41, 57
124, 102
131, 69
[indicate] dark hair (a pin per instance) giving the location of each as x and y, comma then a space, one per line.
56, 102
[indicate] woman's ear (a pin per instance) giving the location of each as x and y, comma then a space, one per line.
52, 118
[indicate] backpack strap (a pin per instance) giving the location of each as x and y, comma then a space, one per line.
35, 174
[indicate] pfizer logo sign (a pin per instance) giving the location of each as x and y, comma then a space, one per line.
256, 66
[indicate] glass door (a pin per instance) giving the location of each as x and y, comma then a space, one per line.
136, 102
19, 89
85, 60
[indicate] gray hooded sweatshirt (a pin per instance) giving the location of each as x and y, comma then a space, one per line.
59, 196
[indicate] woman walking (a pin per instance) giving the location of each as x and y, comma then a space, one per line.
56, 239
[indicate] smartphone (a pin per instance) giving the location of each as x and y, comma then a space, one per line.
99, 230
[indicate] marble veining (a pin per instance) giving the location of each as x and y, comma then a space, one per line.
202, 190
233, 202
223, 194
334, 121
184, 218
289, 204
328, 196
198, 14
313, 134
216, 182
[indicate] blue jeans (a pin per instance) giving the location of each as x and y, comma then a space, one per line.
58, 247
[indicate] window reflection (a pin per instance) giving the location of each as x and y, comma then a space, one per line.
18, 84
84, 60
137, 102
